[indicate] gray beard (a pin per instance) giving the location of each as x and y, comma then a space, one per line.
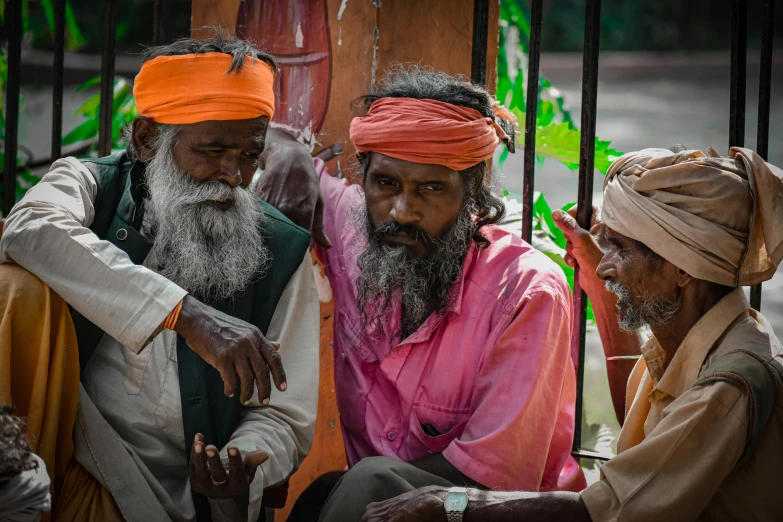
389, 270
655, 312
214, 254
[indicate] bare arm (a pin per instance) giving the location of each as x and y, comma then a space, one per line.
584, 249
426, 505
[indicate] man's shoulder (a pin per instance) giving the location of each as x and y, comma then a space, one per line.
280, 227
512, 269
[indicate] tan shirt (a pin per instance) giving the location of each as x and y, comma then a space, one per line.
679, 446
132, 397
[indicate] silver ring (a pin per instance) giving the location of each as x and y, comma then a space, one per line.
214, 483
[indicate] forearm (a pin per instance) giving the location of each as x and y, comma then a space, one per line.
621, 348
437, 464
500, 506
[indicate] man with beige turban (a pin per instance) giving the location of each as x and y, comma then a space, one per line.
682, 231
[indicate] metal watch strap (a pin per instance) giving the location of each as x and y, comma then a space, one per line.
454, 516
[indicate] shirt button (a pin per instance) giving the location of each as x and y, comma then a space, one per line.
391, 435
122, 234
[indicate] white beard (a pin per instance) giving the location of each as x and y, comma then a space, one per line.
214, 254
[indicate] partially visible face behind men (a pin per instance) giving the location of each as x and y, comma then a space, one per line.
645, 283
204, 218
419, 230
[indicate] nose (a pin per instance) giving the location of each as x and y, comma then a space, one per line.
402, 211
230, 169
606, 269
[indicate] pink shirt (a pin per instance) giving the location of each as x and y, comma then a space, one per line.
493, 375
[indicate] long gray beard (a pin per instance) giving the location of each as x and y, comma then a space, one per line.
655, 312
389, 270
213, 254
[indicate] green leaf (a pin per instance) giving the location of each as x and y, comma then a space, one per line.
86, 130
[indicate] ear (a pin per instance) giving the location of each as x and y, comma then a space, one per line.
143, 135
683, 278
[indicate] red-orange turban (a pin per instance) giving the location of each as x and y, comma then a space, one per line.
427, 131
191, 88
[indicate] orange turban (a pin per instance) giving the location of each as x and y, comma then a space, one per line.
190, 88
427, 131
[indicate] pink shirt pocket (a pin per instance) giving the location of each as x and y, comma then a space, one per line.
448, 423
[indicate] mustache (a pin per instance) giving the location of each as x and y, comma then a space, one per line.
393, 228
196, 193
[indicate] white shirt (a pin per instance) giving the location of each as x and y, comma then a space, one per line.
135, 385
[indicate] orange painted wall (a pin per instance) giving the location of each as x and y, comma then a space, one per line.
366, 36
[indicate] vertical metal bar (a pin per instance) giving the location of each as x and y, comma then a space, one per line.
531, 110
107, 77
478, 64
13, 20
585, 197
57, 87
739, 44
765, 91
158, 18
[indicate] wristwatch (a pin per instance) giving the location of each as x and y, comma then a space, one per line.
455, 503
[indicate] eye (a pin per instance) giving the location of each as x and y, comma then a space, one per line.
385, 182
432, 187
211, 151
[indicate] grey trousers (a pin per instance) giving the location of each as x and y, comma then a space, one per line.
374, 479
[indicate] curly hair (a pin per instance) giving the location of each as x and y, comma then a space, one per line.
15, 453
424, 83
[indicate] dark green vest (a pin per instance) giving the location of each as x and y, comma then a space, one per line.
118, 216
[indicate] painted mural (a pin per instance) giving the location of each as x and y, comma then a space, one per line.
300, 43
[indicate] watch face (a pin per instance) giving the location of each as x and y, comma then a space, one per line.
456, 502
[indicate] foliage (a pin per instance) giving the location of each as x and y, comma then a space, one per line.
123, 113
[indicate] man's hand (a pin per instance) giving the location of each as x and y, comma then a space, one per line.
238, 350
210, 478
419, 505
290, 184
583, 248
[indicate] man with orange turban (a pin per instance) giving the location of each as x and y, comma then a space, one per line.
451, 337
161, 279
682, 231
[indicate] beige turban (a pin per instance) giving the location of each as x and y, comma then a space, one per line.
719, 219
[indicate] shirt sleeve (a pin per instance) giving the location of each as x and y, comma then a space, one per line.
338, 196
47, 233
524, 384
285, 428
675, 471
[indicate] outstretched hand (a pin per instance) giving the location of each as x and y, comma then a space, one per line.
209, 477
290, 184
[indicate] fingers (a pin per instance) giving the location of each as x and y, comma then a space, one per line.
275, 363
261, 371
247, 380
217, 472
229, 376
566, 222
251, 462
198, 463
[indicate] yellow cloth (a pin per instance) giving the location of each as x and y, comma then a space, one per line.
39, 378
678, 449
696, 211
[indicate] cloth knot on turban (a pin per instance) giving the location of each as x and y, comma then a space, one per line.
191, 88
719, 219
427, 131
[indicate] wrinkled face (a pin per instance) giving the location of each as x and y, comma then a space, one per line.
645, 284
412, 203
226, 151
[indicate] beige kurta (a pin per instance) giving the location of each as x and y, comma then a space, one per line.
129, 432
679, 445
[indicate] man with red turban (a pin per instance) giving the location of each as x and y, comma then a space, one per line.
158, 276
451, 337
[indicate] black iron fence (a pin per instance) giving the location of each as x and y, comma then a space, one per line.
13, 30
587, 146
